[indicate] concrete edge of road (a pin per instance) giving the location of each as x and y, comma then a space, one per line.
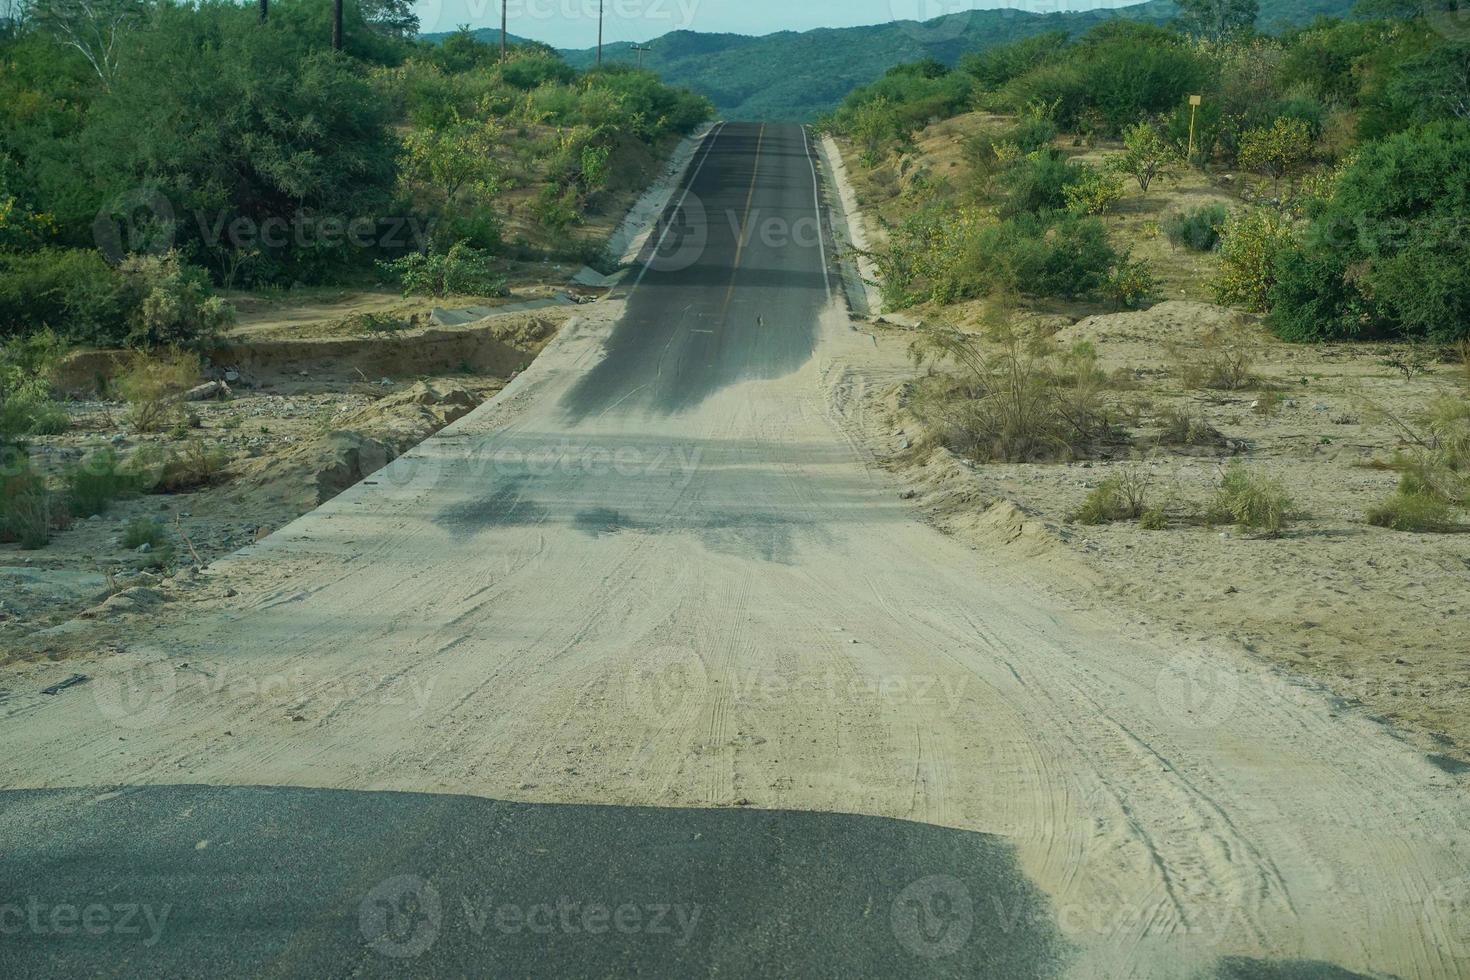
631, 236
858, 272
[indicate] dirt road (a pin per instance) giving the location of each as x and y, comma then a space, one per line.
658, 570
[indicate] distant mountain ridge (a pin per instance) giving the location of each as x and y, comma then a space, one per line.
796, 76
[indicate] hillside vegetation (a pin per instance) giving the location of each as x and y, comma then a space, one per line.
196, 147
798, 76
1353, 136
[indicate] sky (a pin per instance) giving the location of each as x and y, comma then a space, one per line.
573, 23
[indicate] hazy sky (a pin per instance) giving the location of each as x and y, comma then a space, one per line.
573, 23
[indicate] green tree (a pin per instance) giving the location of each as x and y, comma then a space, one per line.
96, 28
1147, 156
1215, 20
1277, 150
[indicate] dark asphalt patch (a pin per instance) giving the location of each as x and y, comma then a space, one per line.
194, 881
1241, 968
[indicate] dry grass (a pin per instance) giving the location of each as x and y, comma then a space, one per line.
1225, 360
1122, 496
1408, 510
1017, 397
1253, 500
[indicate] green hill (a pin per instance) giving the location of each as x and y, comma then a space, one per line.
796, 76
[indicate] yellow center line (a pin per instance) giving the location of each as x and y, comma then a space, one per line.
740, 239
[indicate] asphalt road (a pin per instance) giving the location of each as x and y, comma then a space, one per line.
653, 635
734, 281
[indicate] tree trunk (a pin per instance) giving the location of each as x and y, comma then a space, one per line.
504, 18
336, 25
264, 10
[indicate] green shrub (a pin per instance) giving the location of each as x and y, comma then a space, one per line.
101, 478
1252, 244
463, 270
1386, 255
1153, 519
1198, 229
174, 305
1066, 257
1031, 133
26, 407
557, 208
1035, 183
194, 466
1147, 156
1182, 428
1093, 191
1275, 150
1122, 496
141, 531
27, 510
1408, 510
1131, 284
1116, 74
73, 292
1253, 500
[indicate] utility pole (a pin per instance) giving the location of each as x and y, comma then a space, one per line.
640, 48
504, 18
264, 10
599, 31
336, 25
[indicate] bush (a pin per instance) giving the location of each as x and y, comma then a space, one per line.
1276, 150
99, 479
1068, 257
1181, 428
151, 384
1147, 156
1251, 247
148, 301
1225, 360
1131, 284
141, 531
26, 508
1118, 73
1198, 229
463, 270
1035, 183
1252, 500
1093, 191
174, 305
1122, 496
1412, 510
1016, 401
72, 292
26, 407
196, 465
1386, 255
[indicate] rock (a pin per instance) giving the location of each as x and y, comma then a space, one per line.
138, 599
144, 548
908, 495
232, 377
206, 391
119, 439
